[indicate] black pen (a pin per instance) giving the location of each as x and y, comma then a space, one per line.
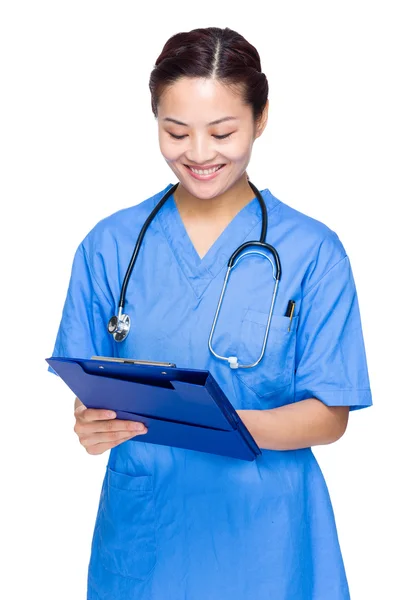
290, 310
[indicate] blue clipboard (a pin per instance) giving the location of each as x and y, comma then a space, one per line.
185, 408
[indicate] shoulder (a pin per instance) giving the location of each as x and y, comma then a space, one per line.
287, 220
123, 224
315, 246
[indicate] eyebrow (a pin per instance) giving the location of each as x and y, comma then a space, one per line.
211, 123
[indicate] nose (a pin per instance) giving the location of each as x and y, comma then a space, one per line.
200, 151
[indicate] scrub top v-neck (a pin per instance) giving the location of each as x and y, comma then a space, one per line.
176, 524
200, 271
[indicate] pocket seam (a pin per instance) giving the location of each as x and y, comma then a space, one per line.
144, 580
279, 325
279, 322
115, 475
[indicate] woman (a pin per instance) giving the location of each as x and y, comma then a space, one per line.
175, 524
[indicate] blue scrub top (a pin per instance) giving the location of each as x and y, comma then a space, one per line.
176, 524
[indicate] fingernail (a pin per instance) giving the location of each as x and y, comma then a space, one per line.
139, 427
111, 414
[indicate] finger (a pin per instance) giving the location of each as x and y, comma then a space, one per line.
104, 446
94, 414
79, 410
92, 427
108, 437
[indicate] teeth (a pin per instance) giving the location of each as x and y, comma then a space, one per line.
205, 171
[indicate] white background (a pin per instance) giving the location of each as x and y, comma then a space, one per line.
79, 141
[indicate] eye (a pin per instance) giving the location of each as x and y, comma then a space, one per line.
218, 137
223, 137
177, 137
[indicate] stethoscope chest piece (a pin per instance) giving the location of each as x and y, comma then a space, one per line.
119, 326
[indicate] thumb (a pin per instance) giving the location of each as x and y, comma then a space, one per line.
78, 412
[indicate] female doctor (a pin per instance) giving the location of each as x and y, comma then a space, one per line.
176, 524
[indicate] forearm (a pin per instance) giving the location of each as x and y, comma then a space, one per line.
299, 425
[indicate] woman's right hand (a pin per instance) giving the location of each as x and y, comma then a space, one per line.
99, 430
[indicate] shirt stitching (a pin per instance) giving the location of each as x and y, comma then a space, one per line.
335, 390
93, 276
325, 274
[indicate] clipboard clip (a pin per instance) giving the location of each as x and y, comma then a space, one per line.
134, 361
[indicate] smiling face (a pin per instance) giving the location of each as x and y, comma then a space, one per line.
206, 134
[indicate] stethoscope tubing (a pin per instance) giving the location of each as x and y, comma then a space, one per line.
119, 326
139, 243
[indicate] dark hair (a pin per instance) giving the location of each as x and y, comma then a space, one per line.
221, 54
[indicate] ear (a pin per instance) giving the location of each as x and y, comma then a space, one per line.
262, 122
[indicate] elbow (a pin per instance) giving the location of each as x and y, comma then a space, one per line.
340, 420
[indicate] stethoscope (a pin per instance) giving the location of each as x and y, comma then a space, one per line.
119, 325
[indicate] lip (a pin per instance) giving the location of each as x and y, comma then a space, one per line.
205, 177
202, 167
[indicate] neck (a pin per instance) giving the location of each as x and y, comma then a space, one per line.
225, 205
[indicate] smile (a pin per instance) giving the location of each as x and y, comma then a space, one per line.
204, 173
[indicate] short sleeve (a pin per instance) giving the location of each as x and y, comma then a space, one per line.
83, 328
330, 352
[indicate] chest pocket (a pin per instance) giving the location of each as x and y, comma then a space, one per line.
276, 369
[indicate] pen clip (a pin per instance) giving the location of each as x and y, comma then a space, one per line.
293, 304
